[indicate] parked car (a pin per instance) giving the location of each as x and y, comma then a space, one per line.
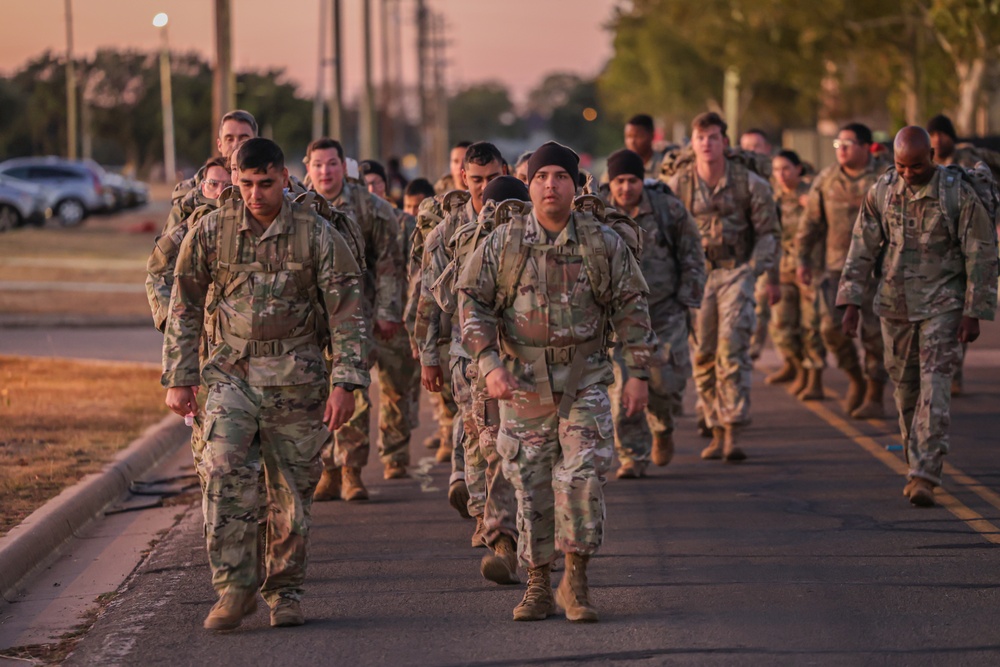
22, 202
78, 189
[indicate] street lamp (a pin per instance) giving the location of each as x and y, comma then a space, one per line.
166, 98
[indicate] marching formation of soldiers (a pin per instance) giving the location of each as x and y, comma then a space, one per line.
554, 322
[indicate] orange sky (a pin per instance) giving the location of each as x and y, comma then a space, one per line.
514, 41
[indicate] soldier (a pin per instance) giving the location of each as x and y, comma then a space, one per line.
927, 230
483, 163
735, 212
417, 190
831, 209
308, 291
521, 167
453, 179
756, 141
542, 289
384, 292
639, 132
674, 267
795, 327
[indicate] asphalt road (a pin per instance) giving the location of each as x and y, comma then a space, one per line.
805, 554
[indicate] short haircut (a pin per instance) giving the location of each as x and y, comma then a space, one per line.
525, 156
482, 153
860, 130
419, 186
759, 132
322, 144
240, 116
703, 121
791, 156
461, 144
219, 161
643, 120
259, 154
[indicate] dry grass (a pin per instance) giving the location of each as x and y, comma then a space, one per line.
61, 420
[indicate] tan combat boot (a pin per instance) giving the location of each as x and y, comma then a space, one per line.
501, 566
353, 488
432, 442
328, 487
443, 454
703, 429
631, 470
873, 406
813, 391
233, 606
573, 595
714, 449
801, 379
394, 470
663, 448
479, 534
855, 390
788, 371
921, 492
537, 603
731, 452
458, 497
287, 613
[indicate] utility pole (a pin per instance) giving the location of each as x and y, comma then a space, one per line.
166, 99
426, 120
366, 121
337, 94
318, 101
440, 93
223, 88
385, 106
71, 123
399, 109
731, 100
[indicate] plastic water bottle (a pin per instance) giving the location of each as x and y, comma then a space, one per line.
189, 420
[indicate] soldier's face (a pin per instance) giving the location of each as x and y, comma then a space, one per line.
755, 143
476, 176
411, 203
708, 143
216, 180
626, 190
942, 144
263, 191
231, 135
326, 171
521, 172
455, 164
375, 184
234, 168
638, 139
552, 190
788, 174
916, 167
851, 153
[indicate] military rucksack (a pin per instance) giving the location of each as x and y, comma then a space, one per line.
342, 222
681, 161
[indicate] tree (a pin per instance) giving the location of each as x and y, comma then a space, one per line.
482, 111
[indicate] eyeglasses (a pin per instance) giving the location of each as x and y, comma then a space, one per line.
844, 143
212, 183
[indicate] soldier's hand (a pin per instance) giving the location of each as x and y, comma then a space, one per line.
501, 384
339, 408
852, 316
432, 378
385, 330
773, 294
968, 330
635, 396
182, 400
804, 275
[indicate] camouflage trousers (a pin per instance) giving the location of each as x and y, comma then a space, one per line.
668, 373
445, 409
399, 395
465, 433
842, 347
762, 314
490, 493
921, 358
557, 467
795, 326
721, 346
246, 428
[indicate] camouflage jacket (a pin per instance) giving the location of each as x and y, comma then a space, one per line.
266, 302
791, 207
831, 209
554, 306
438, 253
736, 219
927, 263
161, 263
385, 278
672, 261
967, 155
445, 184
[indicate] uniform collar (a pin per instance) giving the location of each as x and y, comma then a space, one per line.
535, 234
928, 191
645, 203
281, 225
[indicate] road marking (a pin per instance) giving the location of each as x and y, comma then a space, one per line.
973, 519
67, 286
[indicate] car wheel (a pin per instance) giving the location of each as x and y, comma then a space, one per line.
9, 218
71, 212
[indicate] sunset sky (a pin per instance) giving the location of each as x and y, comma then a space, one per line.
514, 41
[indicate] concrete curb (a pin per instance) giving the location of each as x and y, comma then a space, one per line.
36, 541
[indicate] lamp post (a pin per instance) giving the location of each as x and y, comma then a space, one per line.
166, 98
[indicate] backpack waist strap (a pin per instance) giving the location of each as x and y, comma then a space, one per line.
265, 348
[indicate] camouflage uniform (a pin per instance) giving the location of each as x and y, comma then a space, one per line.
383, 296
795, 323
555, 447
739, 234
266, 376
937, 250
831, 209
674, 267
446, 184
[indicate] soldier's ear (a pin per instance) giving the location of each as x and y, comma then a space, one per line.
932, 154
284, 177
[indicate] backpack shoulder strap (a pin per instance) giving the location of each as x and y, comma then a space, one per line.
513, 259
595, 256
226, 250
